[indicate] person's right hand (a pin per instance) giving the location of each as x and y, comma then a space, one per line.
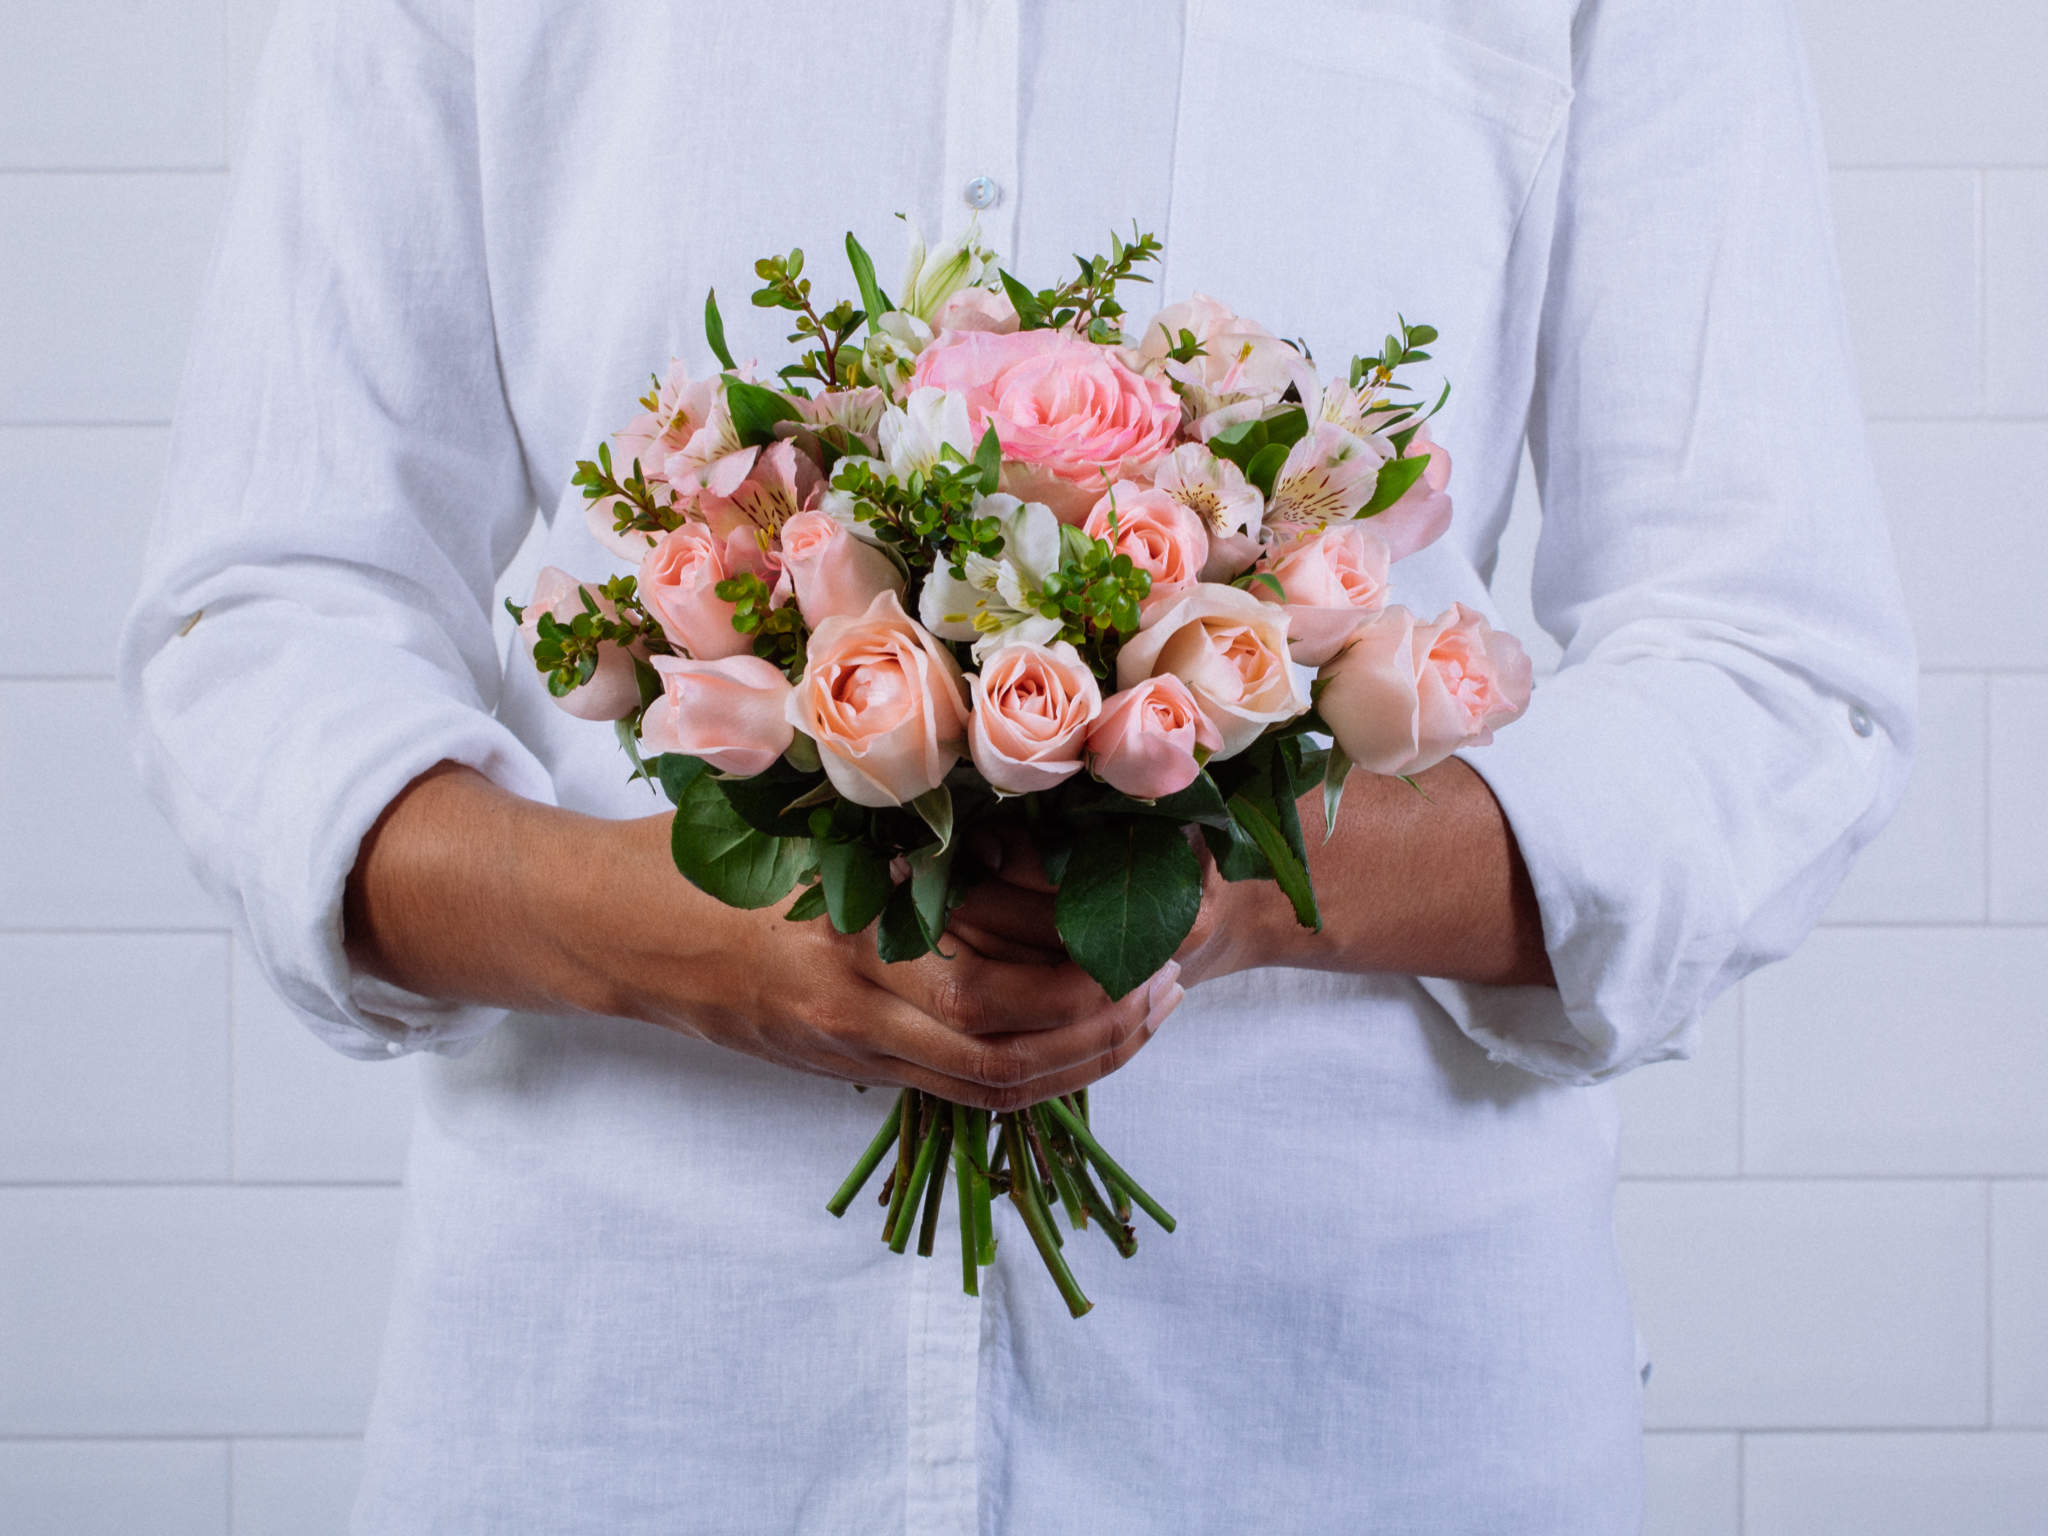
465, 891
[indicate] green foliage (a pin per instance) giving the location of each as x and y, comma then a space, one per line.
783, 286
872, 299
1396, 476
714, 331
1095, 594
1087, 302
755, 411
929, 520
723, 856
1129, 896
855, 880
638, 510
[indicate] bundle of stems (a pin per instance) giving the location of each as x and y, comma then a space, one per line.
1038, 1156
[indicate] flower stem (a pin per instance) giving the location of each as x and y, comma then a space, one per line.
899, 1238
906, 1148
869, 1160
1108, 1164
1030, 1204
964, 1175
935, 1189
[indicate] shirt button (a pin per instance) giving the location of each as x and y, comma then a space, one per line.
393, 1048
1859, 721
982, 192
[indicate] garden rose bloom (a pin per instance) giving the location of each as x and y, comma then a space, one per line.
1162, 536
678, 585
1144, 741
885, 704
833, 573
1334, 581
1403, 696
731, 713
1033, 705
1073, 416
1420, 517
612, 692
977, 309
1231, 651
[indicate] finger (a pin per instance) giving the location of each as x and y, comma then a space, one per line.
996, 946
1023, 915
1021, 864
1008, 1095
976, 995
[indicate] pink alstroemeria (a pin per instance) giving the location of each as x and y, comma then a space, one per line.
1242, 367
780, 483
1216, 491
1328, 475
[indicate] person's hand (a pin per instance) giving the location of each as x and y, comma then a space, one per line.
1010, 916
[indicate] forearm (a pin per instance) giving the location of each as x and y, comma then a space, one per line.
1426, 884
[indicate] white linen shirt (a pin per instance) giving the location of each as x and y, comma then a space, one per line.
462, 238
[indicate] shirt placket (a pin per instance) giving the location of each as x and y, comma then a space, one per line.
942, 1479
981, 121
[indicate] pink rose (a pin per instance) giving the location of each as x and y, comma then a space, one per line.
1241, 369
834, 573
884, 702
1161, 535
1403, 696
1072, 415
613, 691
731, 713
977, 309
1033, 705
1420, 517
1231, 651
1144, 742
678, 585
1334, 581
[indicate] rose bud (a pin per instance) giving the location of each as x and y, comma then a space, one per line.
1231, 651
1403, 696
612, 692
885, 704
732, 712
1333, 581
1033, 705
679, 585
1144, 741
834, 573
1162, 537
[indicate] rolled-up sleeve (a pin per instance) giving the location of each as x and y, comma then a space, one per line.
1733, 716
313, 629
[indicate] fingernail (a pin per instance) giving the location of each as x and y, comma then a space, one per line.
1167, 1002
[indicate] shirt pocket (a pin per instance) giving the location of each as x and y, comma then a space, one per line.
1334, 162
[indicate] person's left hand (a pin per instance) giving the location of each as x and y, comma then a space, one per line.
1009, 917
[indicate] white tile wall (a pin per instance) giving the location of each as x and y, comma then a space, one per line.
114, 1487
118, 1057
192, 1311
1783, 1304
2019, 1304
1896, 1485
213, 1338
2018, 827
1900, 1051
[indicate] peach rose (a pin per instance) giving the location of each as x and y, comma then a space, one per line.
731, 713
977, 309
1403, 696
834, 573
678, 585
1072, 416
1231, 651
884, 702
1422, 514
1161, 535
1334, 581
1033, 705
613, 691
1144, 742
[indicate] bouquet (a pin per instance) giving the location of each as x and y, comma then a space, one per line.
982, 559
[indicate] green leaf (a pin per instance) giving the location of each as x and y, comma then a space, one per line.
936, 807
1396, 476
899, 935
931, 878
1289, 873
807, 906
1336, 769
677, 773
863, 266
1264, 467
1030, 313
724, 857
1200, 803
855, 880
766, 801
1237, 856
755, 410
714, 331
988, 458
1129, 896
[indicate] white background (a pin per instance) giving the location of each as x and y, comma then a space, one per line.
1836, 1217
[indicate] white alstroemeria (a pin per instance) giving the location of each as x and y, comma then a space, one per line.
932, 277
915, 435
1216, 491
991, 602
1330, 474
893, 343
1363, 412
